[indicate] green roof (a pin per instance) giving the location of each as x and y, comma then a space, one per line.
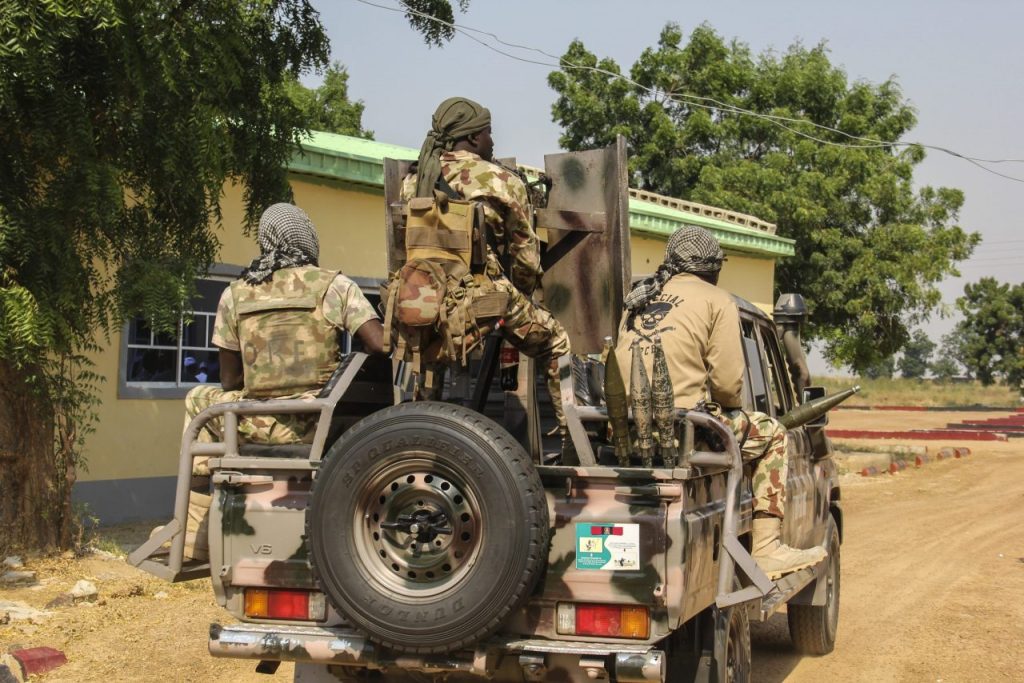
359, 162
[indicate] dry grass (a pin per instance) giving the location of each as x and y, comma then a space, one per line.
913, 392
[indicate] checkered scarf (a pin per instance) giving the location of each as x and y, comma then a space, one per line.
287, 239
689, 250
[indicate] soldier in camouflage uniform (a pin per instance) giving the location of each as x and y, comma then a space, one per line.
699, 325
277, 330
459, 149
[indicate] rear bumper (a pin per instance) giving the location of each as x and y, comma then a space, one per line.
628, 662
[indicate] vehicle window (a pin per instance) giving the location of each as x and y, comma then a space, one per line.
778, 375
755, 368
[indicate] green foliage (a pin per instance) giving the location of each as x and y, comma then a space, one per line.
120, 122
917, 355
328, 108
426, 16
869, 249
882, 368
989, 341
916, 392
952, 350
944, 369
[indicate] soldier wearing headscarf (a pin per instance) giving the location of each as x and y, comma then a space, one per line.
458, 149
699, 326
277, 331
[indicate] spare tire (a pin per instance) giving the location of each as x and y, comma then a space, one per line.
428, 525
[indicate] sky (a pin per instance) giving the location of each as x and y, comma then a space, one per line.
960, 64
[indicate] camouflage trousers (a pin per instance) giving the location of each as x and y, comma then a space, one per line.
265, 429
534, 332
766, 440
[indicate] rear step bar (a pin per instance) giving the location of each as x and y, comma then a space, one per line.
629, 662
171, 565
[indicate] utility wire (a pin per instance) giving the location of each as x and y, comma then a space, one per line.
696, 100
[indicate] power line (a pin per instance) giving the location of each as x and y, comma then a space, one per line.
689, 99
989, 264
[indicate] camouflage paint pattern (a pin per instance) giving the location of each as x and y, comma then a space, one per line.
260, 529
585, 287
679, 513
286, 329
419, 295
288, 645
508, 217
664, 404
615, 398
264, 429
507, 212
766, 441
528, 327
532, 330
642, 402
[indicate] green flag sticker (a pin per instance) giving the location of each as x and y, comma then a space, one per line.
608, 547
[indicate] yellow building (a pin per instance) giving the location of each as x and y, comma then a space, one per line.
132, 458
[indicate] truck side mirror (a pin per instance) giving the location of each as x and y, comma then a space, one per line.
811, 394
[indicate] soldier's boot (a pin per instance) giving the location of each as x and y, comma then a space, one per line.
774, 557
568, 450
197, 541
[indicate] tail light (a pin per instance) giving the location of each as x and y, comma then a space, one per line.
608, 621
272, 603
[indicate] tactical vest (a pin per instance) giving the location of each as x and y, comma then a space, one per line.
287, 345
441, 228
439, 305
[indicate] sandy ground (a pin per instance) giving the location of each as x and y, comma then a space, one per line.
932, 573
932, 589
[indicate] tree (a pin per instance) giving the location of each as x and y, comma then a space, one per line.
433, 19
990, 338
869, 250
917, 355
120, 122
951, 351
944, 369
880, 369
327, 107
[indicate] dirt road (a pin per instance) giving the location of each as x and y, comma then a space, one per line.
932, 590
932, 578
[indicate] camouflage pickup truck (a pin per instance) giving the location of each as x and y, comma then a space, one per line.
428, 541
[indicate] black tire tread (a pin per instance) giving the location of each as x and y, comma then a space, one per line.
808, 627
469, 423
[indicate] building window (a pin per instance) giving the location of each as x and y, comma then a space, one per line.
168, 361
166, 366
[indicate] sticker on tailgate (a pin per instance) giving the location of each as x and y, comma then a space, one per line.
609, 547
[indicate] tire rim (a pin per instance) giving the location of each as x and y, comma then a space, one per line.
831, 586
731, 658
419, 527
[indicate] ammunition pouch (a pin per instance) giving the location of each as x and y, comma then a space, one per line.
441, 228
437, 311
